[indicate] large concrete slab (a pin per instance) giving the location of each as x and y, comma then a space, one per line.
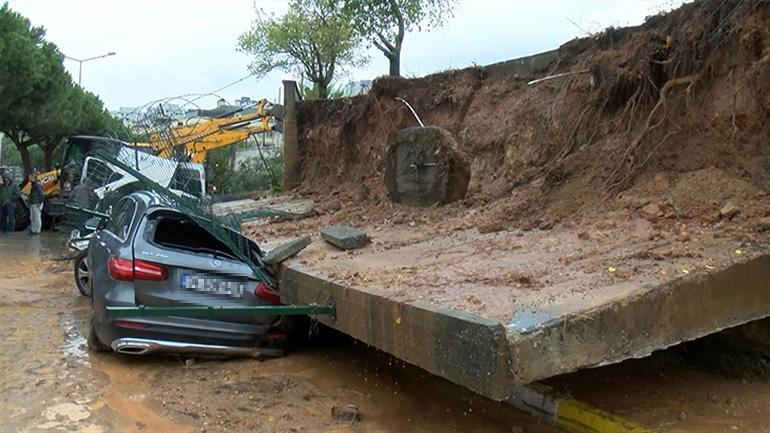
494, 311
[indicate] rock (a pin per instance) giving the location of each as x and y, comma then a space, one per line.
651, 212
347, 414
681, 232
712, 217
425, 167
605, 225
344, 236
284, 251
333, 207
763, 225
729, 210
490, 227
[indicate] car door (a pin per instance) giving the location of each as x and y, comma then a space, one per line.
113, 241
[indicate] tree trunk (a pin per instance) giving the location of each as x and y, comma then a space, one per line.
323, 90
48, 150
395, 64
23, 149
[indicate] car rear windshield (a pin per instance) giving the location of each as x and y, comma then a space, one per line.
173, 230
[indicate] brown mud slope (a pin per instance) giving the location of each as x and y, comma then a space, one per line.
670, 118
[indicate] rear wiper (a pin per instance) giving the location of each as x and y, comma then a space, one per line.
211, 251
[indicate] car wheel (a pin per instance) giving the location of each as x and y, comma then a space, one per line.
83, 274
94, 345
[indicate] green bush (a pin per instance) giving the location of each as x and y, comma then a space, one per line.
251, 175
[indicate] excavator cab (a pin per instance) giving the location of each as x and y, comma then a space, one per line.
59, 183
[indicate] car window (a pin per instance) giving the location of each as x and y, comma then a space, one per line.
100, 174
121, 218
111, 198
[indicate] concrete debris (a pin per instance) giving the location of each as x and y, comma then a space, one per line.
349, 414
284, 251
344, 236
729, 210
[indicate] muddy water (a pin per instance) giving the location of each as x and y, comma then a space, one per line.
51, 383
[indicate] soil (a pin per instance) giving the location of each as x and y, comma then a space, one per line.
665, 115
625, 165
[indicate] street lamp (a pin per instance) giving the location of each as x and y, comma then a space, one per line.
81, 61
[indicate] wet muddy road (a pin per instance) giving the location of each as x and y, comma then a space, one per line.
50, 383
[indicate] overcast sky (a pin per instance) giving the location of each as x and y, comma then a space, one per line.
175, 47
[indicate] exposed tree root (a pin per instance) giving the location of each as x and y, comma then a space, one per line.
629, 162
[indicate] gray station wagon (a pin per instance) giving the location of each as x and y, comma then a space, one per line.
148, 254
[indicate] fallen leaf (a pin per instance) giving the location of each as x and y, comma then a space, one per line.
611, 269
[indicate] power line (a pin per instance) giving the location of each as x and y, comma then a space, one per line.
223, 87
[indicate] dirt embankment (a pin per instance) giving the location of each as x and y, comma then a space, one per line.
668, 118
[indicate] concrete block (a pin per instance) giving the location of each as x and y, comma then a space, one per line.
729, 210
284, 251
459, 346
343, 236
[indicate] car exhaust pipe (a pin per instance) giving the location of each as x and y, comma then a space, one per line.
129, 346
142, 346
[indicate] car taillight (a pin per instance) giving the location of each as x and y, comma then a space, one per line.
264, 292
130, 270
120, 269
129, 324
149, 271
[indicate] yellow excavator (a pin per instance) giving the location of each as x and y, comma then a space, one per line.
192, 141
198, 139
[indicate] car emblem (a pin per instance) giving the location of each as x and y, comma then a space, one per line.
216, 263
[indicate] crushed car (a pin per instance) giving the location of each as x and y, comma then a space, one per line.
101, 184
148, 254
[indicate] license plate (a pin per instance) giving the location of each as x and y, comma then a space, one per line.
213, 285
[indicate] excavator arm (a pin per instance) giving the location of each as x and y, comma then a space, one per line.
196, 140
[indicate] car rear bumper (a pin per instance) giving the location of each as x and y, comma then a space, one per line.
182, 335
143, 346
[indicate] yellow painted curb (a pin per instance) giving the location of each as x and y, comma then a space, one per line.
578, 417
